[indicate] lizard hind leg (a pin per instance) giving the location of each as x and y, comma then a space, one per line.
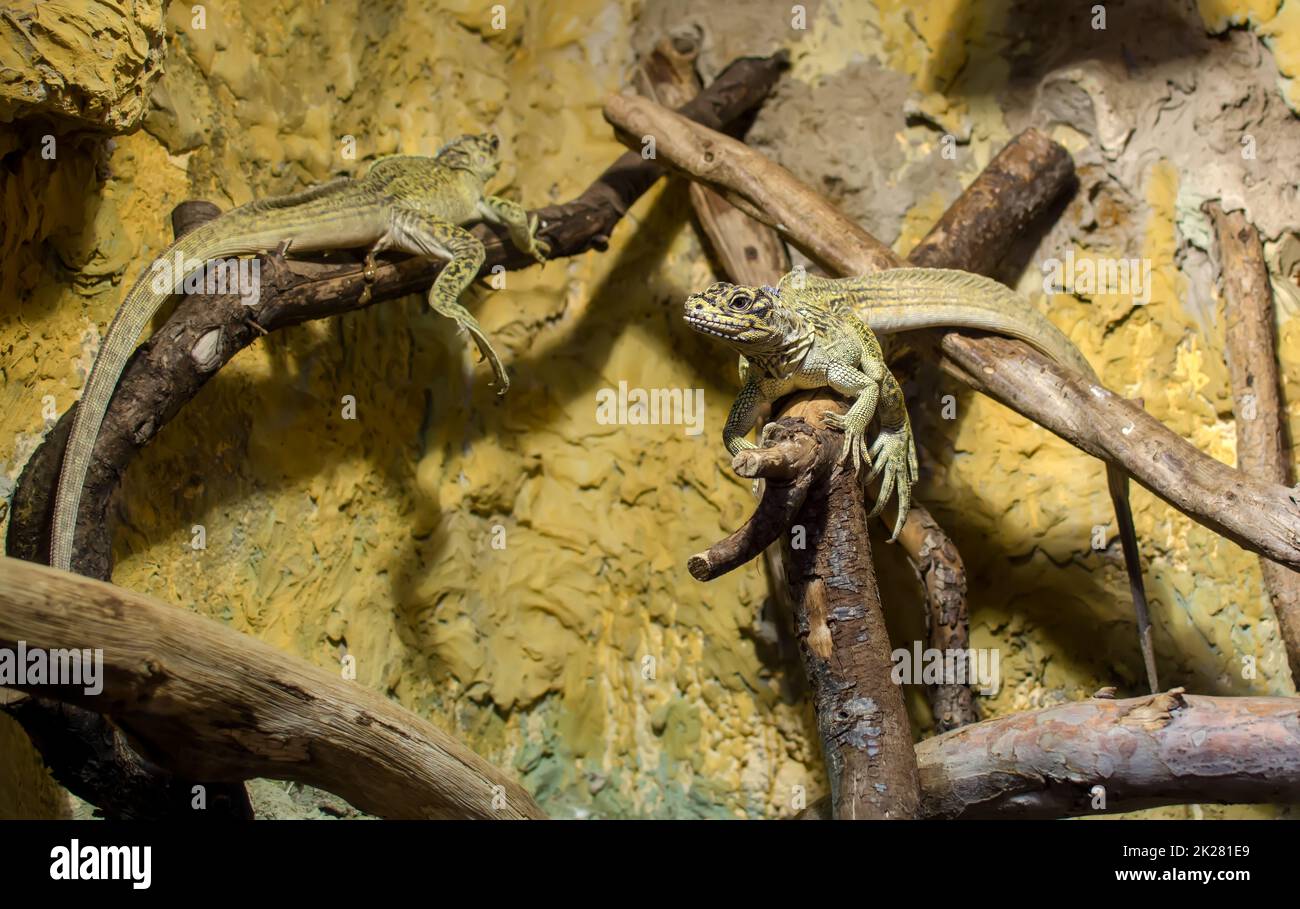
422, 235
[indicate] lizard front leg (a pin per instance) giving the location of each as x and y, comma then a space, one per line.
894, 453
741, 418
417, 233
522, 228
865, 389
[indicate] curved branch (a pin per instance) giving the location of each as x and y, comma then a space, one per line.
791, 465
205, 332
204, 700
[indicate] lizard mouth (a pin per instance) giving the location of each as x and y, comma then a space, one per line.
708, 325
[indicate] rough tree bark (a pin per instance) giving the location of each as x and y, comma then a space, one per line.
1256, 393
840, 623
1162, 749
172, 676
207, 702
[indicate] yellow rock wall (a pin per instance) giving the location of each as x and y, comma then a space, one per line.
512, 568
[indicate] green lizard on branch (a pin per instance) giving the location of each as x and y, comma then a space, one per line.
412, 204
813, 332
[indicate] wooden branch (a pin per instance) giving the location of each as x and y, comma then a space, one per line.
799, 214
88, 755
223, 705
749, 251
791, 464
1163, 749
1260, 516
1256, 393
206, 701
1015, 188
840, 624
939, 567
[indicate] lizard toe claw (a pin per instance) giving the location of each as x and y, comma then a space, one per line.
895, 460
904, 503
886, 490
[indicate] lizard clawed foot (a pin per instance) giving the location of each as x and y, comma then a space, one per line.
855, 440
500, 379
894, 461
540, 248
452, 309
488, 352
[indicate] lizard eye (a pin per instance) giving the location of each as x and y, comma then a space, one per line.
741, 302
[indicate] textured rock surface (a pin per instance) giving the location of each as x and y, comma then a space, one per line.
581, 655
92, 63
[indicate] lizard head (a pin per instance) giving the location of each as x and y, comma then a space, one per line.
750, 319
477, 154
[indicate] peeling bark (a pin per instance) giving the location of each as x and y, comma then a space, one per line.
1163, 749
840, 624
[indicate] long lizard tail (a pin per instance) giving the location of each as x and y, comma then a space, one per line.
270, 221
905, 299
140, 305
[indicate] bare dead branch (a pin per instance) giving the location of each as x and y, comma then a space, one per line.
840, 624
792, 464
210, 703
1163, 749
939, 567
1256, 393
1019, 183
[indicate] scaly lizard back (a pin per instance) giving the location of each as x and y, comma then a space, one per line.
907, 299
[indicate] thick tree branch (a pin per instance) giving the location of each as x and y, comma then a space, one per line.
1256, 394
1261, 516
206, 701
221, 705
1014, 189
1162, 749
840, 624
